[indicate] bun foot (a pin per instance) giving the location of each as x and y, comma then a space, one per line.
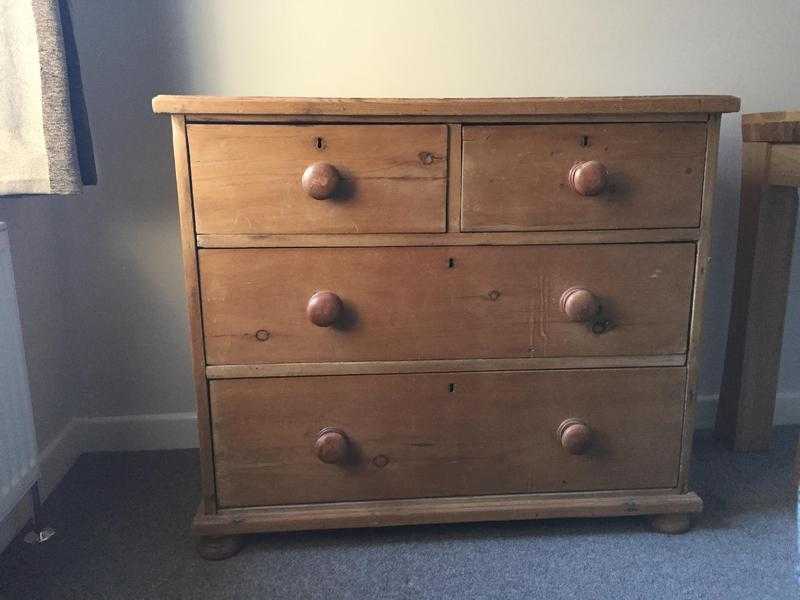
670, 523
219, 547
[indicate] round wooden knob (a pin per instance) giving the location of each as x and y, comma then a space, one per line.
575, 436
331, 446
588, 178
579, 304
320, 180
324, 308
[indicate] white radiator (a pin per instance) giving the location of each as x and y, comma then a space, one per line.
18, 452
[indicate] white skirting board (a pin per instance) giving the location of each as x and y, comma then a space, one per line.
179, 430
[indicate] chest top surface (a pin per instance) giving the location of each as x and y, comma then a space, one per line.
605, 105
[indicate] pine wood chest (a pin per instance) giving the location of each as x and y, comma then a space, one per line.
416, 311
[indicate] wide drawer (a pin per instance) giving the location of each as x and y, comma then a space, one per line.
386, 178
411, 303
444, 434
516, 177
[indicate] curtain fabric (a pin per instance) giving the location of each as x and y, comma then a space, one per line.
45, 142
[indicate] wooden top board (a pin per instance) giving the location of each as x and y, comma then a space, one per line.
775, 127
616, 105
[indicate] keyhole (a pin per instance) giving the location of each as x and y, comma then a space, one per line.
320, 143
584, 140
600, 326
451, 263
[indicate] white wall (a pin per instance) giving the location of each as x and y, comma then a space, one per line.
120, 240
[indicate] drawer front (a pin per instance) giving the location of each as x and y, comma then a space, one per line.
415, 303
516, 177
444, 434
386, 178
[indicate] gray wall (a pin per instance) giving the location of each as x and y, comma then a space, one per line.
121, 287
41, 270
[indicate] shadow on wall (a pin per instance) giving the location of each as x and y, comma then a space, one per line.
125, 285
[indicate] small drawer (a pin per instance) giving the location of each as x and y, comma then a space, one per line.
318, 178
372, 437
582, 176
451, 302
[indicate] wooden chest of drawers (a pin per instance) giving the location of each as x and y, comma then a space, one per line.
412, 311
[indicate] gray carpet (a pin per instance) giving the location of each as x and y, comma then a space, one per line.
123, 519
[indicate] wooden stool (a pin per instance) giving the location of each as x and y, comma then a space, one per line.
768, 212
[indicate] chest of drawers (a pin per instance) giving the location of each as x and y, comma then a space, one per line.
416, 311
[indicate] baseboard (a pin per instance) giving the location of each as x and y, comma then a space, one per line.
787, 410
55, 460
141, 432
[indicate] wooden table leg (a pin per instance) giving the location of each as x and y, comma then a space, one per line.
763, 261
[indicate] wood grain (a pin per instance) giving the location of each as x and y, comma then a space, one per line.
191, 282
515, 176
255, 105
701, 273
446, 119
784, 165
429, 371
444, 510
755, 168
438, 366
621, 236
439, 303
761, 286
246, 178
454, 179
774, 127
444, 434
767, 219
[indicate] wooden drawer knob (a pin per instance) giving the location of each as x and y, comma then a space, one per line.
331, 446
575, 436
320, 180
588, 178
324, 308
579, 304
